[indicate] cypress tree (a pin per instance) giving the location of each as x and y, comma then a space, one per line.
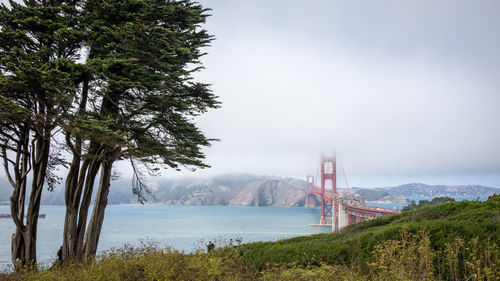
141, 57
38, 76
115, 79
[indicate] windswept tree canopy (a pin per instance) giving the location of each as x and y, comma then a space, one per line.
138, 103
115, 78
39, 45
142, 54
142, 98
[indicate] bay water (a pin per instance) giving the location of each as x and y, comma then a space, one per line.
185, 228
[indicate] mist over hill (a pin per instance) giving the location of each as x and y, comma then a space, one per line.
230, 190
252, 190
222, 190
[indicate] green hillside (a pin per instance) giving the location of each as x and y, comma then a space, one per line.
451, 241
443, 225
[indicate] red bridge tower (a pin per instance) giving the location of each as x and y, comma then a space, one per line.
328, 184
336, 210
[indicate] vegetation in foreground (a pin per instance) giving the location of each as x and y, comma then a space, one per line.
451, 241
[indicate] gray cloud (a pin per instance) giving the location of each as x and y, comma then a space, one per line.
401, 90
398, 89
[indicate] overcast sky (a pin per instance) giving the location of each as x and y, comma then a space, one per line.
403, 91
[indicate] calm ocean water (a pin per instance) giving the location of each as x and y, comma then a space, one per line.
184, 228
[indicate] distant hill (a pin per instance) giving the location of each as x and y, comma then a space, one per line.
232, 190
222, 190
272, 192
255, 191
416, 190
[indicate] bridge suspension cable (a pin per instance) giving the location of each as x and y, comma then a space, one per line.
317, 176
346, 182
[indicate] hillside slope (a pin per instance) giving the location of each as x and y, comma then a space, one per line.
222, 190
258, 191
272, 192
462, 232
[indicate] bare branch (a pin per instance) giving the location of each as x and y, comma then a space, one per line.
138, 187
70, 144
9, 136
27, 170
6, 167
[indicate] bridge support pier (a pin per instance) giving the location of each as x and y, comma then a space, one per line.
342, 217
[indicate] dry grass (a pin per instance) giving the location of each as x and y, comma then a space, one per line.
438, 246
409, 257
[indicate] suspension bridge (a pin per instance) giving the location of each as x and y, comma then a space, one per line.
339, 210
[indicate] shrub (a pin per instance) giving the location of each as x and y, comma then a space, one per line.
452, 241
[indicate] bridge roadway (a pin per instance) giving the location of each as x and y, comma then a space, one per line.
349, 211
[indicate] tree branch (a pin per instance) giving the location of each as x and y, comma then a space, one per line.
6, 167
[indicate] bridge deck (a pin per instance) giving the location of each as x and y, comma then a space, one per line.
354, 205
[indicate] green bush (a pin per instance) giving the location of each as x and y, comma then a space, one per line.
451, 241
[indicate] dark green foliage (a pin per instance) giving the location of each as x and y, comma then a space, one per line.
141, 58
138, 102
422, 203
445, 222
39, 46
130, 95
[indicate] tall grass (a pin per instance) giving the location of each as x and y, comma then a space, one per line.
453, 241
408, 257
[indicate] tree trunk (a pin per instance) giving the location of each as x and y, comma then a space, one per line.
85, 204
77, 206
74, 181
95, 225
69, 234
17, 200
17, 213
40, 159
17, 248
23, 247
80, 241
